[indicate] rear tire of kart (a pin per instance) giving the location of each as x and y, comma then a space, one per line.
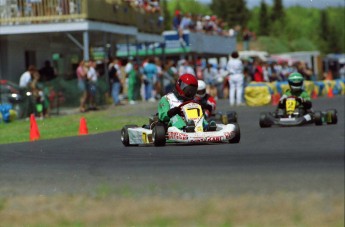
125, 136
230, 117
333, 115
263, 121
237, 137
158, 136
318, 118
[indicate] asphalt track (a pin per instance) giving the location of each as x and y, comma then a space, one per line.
296, 159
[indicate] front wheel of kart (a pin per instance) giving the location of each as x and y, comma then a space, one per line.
158, 135
332, 117
237, 137
124, 134
318, 118
264, 123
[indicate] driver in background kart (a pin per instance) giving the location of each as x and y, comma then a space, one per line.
168, 108
296, 89
206, 101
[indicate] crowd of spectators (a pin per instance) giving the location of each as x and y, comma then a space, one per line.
199, 23
150, 79
130, 80
148, 6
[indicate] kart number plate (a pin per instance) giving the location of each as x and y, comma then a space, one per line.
290, 105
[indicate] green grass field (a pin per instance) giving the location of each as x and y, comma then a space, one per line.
68, 125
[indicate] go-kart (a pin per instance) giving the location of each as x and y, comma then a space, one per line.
158, 133
294, 114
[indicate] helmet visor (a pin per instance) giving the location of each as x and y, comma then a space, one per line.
296, 85
201, 93
189, 90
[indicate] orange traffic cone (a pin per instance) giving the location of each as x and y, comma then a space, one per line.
83, 127
275, 99
34, 132
330, 92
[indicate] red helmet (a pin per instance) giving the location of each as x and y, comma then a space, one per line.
187, 86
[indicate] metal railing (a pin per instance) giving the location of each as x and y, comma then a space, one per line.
14, 12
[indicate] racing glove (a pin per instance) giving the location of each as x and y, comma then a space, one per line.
173, 111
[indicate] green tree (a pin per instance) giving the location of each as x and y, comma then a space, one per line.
263, 19
232, 12
277, 11
337, 32
324, 25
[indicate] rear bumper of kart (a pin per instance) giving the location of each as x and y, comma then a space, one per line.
224, 133
295, 121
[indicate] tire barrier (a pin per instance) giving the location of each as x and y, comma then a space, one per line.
264, 93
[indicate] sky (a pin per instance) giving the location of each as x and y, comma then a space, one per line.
287, 3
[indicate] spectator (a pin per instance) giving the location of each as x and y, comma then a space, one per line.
186, 23
258, 71
25, 84
114, 81
185, 68
342, 72
26, 77
92, 77
208, 27
177, 20
236, 79
47, 72
199, 24
82, 79
247, 35
129, 65
303, 69
38, 97
158, 85
286, 70
233, 32
150, 78
210, 75
134, 80
169, 76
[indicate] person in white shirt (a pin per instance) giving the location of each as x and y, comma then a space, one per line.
210, 75
236, 79
26, 77
185, 68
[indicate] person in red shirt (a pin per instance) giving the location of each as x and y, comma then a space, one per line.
259, 72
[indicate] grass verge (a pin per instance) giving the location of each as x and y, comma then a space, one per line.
68, 125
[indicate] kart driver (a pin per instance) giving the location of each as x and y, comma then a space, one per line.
206, 101
168, 108
296, 89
